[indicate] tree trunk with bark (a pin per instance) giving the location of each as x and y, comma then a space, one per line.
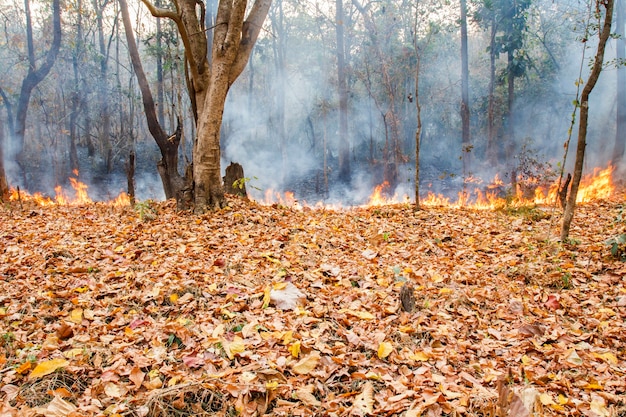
596, 69
466, 147
4, 186
234, 36
173, 182
34, 76
620, 128
342, 86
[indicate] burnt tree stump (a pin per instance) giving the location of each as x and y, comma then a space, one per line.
234, 181
407, 298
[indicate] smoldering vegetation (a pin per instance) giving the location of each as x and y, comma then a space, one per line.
282, 116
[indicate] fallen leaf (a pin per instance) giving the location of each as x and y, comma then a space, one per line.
305, 394
384, 349
364, 402
48, 367
308, 363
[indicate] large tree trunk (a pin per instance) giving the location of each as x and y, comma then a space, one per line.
568, 215
233, 38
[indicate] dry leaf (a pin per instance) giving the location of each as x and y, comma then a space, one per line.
305, 394
287, 298
384, 349
364, 402
308, 363
48, 367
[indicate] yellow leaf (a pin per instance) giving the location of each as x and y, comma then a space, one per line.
76, 316
607, 357
305, 365
294, 349
384, 349
562, 399
233, 348
445, 291
526, 360
437, 278
607, 311
420, 356
287, 337
360, 314
271, 385
173, 298
279, 285
82, 289
73, 353
267, 295
373, 376
48, 367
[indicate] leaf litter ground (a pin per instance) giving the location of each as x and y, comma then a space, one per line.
257, 310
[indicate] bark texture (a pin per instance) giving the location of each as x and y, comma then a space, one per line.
35, 75
605, 33
208, 82
173, 182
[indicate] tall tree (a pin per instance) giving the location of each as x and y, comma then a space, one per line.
620, 128
173, 182
596, 69
342, 86
4, 186
234, 35
35, 74
465, 109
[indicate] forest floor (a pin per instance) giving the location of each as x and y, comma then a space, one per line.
271, 310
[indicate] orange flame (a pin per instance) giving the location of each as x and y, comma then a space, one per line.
61, 198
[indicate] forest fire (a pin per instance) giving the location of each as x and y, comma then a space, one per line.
594, 186
61, 198
476, 194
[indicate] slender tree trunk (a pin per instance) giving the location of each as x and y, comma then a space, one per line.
278, 21
4, 186
33, 78
492, 146
418, 130
342, 85
604, 35
103, 89
159, 64
465, 110
620, 128
77, 93
510, 135
173, 182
